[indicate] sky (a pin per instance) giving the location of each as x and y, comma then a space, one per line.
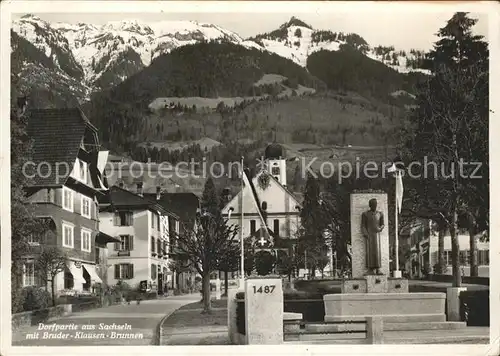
404, 30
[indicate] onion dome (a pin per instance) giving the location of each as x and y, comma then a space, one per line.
274, 151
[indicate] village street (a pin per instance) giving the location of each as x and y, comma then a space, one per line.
142, 319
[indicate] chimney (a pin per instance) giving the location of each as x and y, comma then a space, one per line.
139, 188
158, 193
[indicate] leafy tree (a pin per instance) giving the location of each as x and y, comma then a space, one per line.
49, 263
229, 263
313, 221
450, 127
210, 201
264, 262
23, 220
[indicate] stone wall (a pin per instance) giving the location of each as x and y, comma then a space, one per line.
34, 317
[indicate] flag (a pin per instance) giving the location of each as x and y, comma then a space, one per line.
246, 183
399, 190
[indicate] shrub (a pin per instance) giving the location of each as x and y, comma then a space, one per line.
311, 305
475, 307
17, 300
35, 298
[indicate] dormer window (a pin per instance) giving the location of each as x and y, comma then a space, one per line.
80, 171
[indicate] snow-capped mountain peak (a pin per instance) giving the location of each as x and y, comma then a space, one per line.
101, 56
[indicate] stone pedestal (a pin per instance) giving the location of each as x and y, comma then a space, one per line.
375, 284
359, 204
453, 303
389, 306
264, 311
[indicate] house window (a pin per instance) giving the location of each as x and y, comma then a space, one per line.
82, 171
126, 243
124, 271
67, 199
264, 205
97, 256
29, 274
154, 220
252, 226
275, 171
86, 212
447, 257
68, 237
158, 247
483, 257
152, 244
69, 281
124, 218
464, 257
276, 227
86, 240
158, 226
153, 272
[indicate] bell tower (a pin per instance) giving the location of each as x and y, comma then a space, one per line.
276, 162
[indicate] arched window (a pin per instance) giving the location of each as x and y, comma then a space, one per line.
264, 205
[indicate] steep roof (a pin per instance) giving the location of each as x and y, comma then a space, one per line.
118, 197
184, 205
57, 135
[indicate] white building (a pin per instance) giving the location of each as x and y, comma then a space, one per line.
424, 251
270, 199
483, 253
143, 227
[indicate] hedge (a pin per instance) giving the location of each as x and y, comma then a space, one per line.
475, 307
240, 316
311, 305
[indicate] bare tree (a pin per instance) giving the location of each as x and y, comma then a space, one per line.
50, 262
203, 246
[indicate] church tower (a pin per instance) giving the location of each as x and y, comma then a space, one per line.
276, 162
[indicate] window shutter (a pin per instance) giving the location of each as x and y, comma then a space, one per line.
117, 271
130, 218
115, 220
130, 271
130, 242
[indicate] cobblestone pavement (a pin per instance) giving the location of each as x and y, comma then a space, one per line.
128, 324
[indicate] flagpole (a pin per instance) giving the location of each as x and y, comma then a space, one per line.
396, 272
242, 220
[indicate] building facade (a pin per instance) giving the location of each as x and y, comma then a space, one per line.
424, 252
267, 205
64, 182
142, 227
185, 207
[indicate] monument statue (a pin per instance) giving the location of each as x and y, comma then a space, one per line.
372, 223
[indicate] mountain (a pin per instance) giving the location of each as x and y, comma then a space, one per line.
103, 56
98, 57
297, 41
